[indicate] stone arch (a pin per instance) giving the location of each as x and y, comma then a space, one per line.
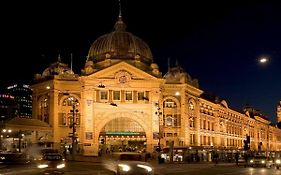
122, 124
122, 130
174, 99
193, 101
113, 115
67, 96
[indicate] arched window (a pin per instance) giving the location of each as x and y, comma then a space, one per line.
68, 104
169, 103
44, 109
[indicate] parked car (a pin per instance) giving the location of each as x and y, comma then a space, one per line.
131, 163
52, 163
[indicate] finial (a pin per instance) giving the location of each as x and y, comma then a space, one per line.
119, 25
120, 12
71, 57
177, 63
59, 58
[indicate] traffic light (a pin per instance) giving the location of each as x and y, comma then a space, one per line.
247, 142
248, 139
246, 146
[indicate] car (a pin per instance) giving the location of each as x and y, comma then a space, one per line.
15, 158
131, 163
261, 161
52, 163
277, 162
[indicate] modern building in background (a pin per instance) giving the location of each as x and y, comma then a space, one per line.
278, 112
121, 101
7, 106
22, 98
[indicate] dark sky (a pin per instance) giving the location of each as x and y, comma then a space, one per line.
217, 42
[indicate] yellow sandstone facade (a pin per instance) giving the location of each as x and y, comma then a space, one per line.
122, 101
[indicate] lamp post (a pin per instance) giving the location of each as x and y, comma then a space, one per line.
159, 113
74, 112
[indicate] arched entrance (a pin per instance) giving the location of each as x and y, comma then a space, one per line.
122, 134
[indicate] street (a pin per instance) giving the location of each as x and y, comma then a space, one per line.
92, 168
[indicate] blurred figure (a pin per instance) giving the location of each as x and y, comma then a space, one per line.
236, 158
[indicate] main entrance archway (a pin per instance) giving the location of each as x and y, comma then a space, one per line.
122, 134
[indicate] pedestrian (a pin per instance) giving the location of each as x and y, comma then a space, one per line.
216, 158
236, 158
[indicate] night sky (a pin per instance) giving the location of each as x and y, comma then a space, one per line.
218, 43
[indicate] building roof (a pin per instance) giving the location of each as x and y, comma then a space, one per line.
120, 44
28, 124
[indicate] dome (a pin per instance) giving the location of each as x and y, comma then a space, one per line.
120, 45
57, 68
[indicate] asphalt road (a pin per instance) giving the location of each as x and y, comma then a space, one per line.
90, 168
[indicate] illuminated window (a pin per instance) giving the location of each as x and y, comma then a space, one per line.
64, 103
191, 106
169, 120
169, 104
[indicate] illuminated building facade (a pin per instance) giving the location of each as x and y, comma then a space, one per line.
122, 101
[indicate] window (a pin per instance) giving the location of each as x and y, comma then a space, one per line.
64, 103
141, 96
191, 106
169, 103
103, 95
169, 134
175, 120
128, 95
169, 120
116, 95
192, 139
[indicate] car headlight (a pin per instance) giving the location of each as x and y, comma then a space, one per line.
251, 161
124, 167
278, 161
148, 168
42, 166
61, 166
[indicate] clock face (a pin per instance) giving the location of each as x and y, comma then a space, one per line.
123, 79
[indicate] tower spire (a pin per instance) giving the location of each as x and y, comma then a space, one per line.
119, 25
71, 57
168, 63
120, 12
177, 62
59, 58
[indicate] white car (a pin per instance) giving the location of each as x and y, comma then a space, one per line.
130, 163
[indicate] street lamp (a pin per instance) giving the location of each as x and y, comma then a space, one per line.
159, 114
263, 60
73, 124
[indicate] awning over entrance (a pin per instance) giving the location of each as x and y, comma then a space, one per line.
27, 124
